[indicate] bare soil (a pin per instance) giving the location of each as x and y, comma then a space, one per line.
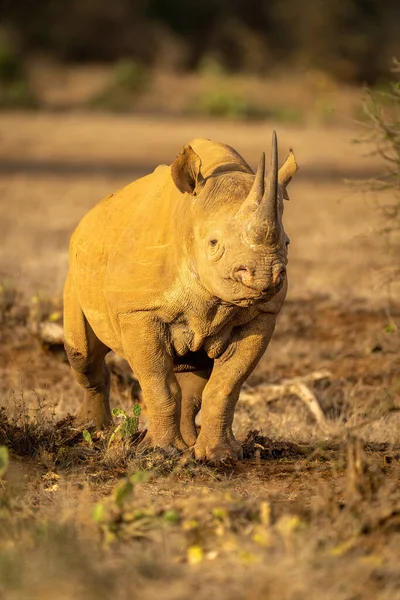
310, 512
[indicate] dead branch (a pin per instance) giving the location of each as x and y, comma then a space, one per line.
296, 386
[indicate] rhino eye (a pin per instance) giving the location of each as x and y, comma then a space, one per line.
215, 249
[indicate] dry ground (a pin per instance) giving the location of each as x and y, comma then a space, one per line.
310, 513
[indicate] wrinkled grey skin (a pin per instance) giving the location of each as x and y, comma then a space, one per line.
182, 273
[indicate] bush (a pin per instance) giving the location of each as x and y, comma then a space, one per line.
15, 89
225, 105
128, 79
382, 119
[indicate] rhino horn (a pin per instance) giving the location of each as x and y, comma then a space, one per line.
264, 221
256, 193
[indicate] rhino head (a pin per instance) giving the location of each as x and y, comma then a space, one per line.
238, 244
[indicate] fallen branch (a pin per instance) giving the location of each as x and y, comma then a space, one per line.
290, 387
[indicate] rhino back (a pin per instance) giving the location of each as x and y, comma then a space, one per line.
122, 255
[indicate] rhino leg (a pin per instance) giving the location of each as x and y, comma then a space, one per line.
192, 385
216, 441
86, 355
145, 346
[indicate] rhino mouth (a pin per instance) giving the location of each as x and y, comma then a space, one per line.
257, 296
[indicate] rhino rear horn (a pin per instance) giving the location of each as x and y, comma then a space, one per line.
185, 171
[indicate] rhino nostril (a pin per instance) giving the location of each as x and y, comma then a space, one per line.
244, 275
279, 275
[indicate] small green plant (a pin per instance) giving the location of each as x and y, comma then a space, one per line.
117, 516
129, 425
87, 437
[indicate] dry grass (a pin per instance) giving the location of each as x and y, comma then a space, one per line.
310, 513
321, 523
91, 519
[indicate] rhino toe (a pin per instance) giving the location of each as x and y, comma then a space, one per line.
169, 445
217, 451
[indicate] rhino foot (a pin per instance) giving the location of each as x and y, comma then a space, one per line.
100, 416
216, 450
189, 434
170, 444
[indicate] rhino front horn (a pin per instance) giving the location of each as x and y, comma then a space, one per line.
256, 193
264, 220
268, 210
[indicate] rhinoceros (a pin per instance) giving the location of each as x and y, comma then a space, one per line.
182, 273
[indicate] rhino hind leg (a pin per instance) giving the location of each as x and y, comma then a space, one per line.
86, 354
192, 385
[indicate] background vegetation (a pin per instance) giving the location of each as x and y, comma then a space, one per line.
353, 40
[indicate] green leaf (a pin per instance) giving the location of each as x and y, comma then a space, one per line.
140, 477
172, 516
98, 512
118, 412
87, 437
4, 460
136, 409
122, 492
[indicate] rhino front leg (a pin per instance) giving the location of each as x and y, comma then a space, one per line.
216, 441
192, 385
146, 349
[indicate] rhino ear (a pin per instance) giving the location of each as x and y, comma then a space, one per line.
286, 173
185, 171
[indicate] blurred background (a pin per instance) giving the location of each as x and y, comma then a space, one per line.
95, 54
352, 40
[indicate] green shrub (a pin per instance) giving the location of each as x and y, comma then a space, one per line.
11, 68
15, 89
17, 94
129, 78
226, 105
